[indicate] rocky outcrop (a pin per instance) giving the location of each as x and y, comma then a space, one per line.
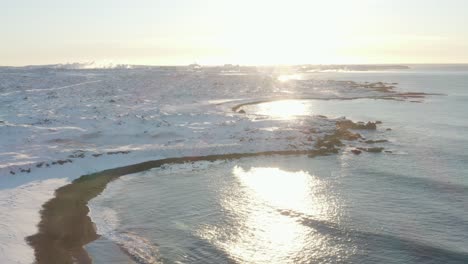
330, 143
348, 124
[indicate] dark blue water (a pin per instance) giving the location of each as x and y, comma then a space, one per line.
408, 206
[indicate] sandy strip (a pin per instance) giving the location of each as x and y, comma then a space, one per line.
65, 226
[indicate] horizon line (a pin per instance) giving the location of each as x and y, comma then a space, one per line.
233, 64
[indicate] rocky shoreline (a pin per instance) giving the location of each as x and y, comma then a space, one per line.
380, 91
65, 226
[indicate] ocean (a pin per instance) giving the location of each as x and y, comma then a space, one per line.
406, 205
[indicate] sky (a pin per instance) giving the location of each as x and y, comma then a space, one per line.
248, 32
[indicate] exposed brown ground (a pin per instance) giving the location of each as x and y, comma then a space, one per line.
65, 226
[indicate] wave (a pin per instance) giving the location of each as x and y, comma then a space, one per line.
137, 247
416, 251
107, 223
435, 185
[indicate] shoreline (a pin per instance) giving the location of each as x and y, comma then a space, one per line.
386, 90
65, 227
90, 165
398, 96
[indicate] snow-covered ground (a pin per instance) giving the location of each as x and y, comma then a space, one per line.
58, 124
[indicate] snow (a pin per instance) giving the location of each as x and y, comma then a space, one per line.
96, 119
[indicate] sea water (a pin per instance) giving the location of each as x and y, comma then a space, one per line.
407, 206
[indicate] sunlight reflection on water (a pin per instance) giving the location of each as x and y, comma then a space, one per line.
285, 109
268, 206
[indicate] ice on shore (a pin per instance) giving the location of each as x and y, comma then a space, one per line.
57, 124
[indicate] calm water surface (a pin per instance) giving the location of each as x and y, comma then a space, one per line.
409, 206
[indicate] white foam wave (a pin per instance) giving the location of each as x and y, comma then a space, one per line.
137, 247
107, 225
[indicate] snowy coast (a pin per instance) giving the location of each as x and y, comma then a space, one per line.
59, 124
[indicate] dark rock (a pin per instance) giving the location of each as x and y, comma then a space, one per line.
61, 162
413, 95
285, 212
24, 170
97, 155
375, 141
78, 154
12, 173
375, 150
117, 152
39, 164
388, 129
347, 135
111, 101
388, 151
370, 125
356, 151
241, 111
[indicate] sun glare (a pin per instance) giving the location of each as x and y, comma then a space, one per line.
286, 109
287, 77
